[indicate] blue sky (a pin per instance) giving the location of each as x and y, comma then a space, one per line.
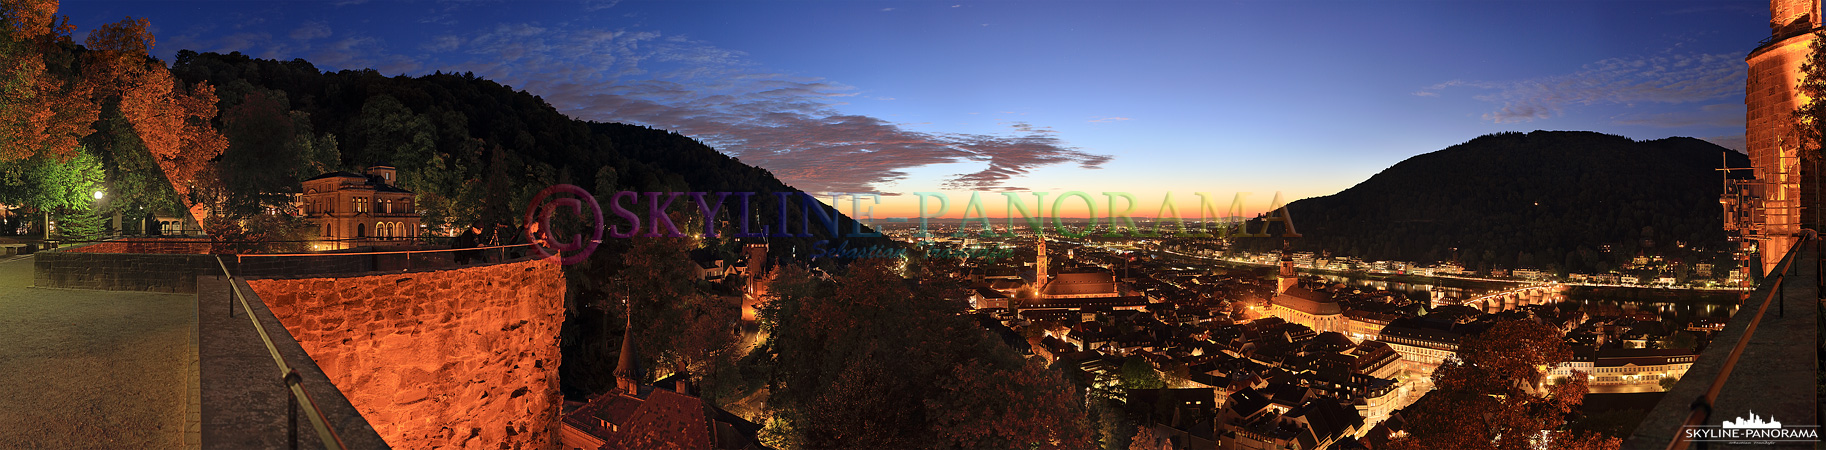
1302, 98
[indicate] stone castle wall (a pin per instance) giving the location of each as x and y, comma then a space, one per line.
1771, 95
457, 358
170, 246
152, 272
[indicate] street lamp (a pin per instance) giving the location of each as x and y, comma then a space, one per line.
98, 195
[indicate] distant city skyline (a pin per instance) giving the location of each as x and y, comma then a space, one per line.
899, 97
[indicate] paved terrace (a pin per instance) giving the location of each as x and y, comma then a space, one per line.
94, 369
1775, 377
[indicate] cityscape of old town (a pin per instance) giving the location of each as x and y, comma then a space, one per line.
911, 224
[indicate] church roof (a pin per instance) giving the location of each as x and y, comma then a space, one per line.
1301, 299
1081, 283
1331, 341
667, 420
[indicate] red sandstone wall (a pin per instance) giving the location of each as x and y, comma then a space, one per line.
460, 358
1770, 97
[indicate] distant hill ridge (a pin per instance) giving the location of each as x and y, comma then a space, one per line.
473, 149
1545, 199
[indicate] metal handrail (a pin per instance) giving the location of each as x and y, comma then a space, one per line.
408, 253
288, 375
1702, 406
204, 239
394, 252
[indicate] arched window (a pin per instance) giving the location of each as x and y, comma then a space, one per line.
361, 230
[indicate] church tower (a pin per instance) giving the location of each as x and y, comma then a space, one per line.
1039, 268
1288, 278
626, 369
1770, 98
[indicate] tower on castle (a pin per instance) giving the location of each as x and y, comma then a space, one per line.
1770, 97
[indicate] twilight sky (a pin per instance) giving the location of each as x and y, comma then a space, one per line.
1302, 98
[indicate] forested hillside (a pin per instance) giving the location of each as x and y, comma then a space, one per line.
1546, 199
473, 149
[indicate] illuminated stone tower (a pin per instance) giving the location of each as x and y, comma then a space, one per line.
1288, 278
1039, 267
1770, 98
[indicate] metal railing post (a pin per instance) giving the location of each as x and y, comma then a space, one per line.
231, 281
291, 419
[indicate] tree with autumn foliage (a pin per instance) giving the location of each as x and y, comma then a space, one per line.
1495, 396
174, 123
43, 109
927, 376
53, 97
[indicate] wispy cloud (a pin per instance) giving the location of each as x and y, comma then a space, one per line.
598, 5
1663, 79
791, 125
1108, 119
311, 30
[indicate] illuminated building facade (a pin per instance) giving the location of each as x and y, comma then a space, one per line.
370, 207
1623, 367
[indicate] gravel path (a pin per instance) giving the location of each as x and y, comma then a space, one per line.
91, 369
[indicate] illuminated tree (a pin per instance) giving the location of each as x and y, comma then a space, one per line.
1810, 118
1144, 439
41, 111
174, 123
172, 120
49, 185
1494, 396
1138, 373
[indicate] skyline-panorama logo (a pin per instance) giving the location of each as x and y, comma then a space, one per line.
1753, 429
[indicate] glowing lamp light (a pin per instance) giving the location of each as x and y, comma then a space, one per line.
98, 195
